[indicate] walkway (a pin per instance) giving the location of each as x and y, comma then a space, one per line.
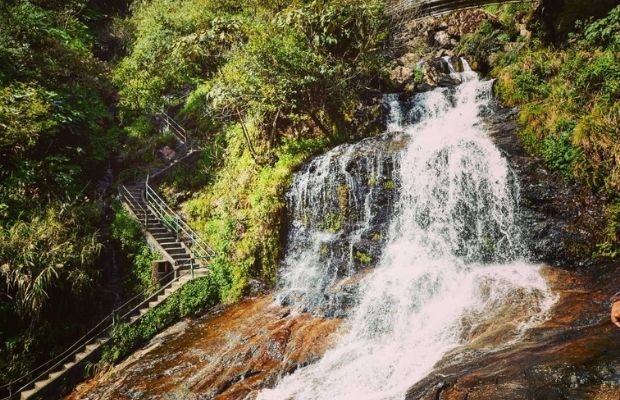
412, 9
166, 231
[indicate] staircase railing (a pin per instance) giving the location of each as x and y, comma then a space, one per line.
424, 8
184, 233
128, 197
120, 314
175, 128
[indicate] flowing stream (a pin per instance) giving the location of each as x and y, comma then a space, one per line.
432, 205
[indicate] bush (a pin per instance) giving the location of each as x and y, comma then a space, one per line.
193, 297
128, 232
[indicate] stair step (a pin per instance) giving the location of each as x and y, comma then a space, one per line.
40, 384
171, 242
92, 347
163, 237
176, 251
181, 256
162, 234
68, 365
27, 393
171, 245
55, 375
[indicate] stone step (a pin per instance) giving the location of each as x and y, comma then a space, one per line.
42, 383
27, 393
169, 244
175, 251
160, 229
180, 256
163, 236
55, 375
151, 227
91, 347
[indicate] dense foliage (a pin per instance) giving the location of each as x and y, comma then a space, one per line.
54, 141
192, 298
262, 85
137, 253
265, 85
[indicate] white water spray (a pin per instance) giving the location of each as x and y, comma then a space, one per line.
452, 263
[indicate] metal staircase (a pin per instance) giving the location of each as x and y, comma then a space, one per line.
178, 243
165, 229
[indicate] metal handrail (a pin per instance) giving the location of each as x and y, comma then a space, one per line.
175, 127
173, 221
126, 194
424, 8
93, 334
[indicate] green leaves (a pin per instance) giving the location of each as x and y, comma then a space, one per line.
40, 255
605, 31
24, 115
176, 44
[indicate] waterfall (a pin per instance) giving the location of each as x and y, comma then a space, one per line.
451, 259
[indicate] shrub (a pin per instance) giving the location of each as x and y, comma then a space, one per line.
193, 297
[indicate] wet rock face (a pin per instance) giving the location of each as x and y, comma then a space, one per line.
340, 205
562, 220
230, 353
437, 72
574, 355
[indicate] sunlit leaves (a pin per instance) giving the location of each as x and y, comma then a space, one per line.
49, 251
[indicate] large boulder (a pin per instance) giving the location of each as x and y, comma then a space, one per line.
557, 18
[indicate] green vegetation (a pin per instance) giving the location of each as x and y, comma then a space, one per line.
55, 137
569, 98
389, 184
264, 85
363, 258
127, 231
193, 297
332, 222
282, 81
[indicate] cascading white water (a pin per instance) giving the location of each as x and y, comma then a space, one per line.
453, 259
